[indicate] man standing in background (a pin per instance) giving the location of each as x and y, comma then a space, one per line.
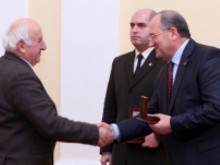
133, 75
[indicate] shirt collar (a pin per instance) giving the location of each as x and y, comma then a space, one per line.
178, 54
144, 53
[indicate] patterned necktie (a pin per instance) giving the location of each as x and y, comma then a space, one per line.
138, 67
169, 81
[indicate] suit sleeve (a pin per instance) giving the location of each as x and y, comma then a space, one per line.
110, 107
32, 103
133, 128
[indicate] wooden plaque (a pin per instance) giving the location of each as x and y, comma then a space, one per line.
144, 116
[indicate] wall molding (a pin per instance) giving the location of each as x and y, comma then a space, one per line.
76, 162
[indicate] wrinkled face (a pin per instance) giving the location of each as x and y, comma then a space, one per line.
160, 39
139, 31
33, 51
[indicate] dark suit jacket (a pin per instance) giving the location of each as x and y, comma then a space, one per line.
194, 107
124, 92
29, 124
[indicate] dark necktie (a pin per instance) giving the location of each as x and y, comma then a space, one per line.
138, 67
169, 81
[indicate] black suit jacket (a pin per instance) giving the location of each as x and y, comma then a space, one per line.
29, 124
124, 92
194, 107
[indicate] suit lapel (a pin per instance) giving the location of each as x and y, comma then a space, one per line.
185, 60
129, 65
148, 65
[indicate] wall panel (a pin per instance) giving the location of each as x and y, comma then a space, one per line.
89, 42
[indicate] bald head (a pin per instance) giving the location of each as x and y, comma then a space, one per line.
24, 22
148, 13
20, 29
24, 38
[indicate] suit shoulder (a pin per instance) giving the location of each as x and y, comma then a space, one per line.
205, 48
14, 68
125, 56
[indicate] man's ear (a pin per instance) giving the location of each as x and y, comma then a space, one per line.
174, 32
20, 46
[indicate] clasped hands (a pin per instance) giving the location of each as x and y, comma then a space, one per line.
106, 134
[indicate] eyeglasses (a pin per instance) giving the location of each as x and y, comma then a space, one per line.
153, 36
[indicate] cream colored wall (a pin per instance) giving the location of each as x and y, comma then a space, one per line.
48, 14
202, 17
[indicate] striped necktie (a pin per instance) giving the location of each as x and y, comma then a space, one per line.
169, 81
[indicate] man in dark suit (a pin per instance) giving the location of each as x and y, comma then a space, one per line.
190, 123
123, 93
29, 124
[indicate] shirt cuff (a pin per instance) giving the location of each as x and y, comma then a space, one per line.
116, 132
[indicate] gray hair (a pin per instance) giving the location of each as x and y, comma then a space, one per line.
152, 14
171, 18
13, 35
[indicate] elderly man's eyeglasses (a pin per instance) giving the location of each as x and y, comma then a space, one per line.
153, 36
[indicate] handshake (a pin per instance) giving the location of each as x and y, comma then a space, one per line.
106, 134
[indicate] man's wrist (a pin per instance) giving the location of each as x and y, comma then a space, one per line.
116, 132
